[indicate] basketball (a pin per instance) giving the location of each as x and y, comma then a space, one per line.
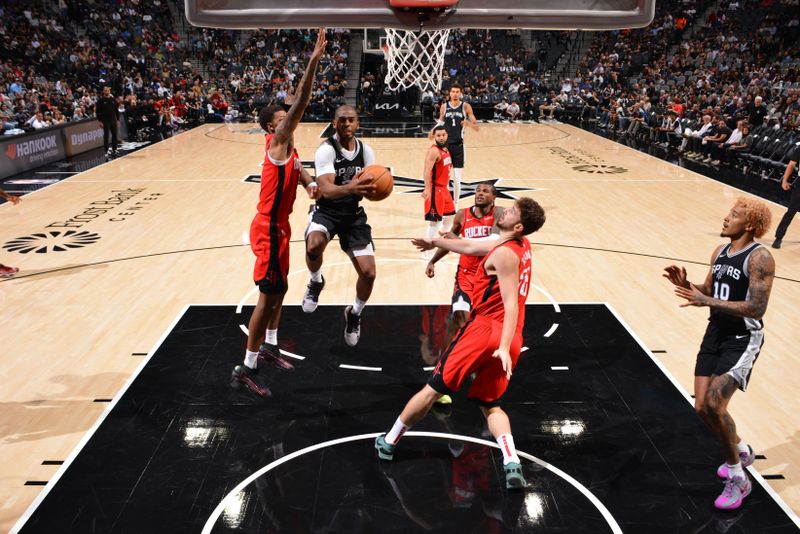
384, 181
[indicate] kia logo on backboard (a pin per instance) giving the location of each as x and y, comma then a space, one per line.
54, 241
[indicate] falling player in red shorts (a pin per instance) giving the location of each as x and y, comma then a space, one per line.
494, 332
270, 231
439, 206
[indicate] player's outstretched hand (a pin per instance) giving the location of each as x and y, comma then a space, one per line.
423, 243
319, 47
313, 191
693, 296
676, 275
430, 270
14, 199
505, 360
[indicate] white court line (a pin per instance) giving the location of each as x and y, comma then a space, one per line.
292, 355
552, 330
549, 297
755, 474
88, 435
230, 497
559, 368
360, 367
70, 180
244, 299
703, 178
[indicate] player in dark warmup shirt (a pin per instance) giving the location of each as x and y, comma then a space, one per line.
737, 289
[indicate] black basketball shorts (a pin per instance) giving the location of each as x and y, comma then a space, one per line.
352, 228
456, 154
726, 353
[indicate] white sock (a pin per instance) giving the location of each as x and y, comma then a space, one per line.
456, 186
316, 276
251, 359
271, 337
742, 446
358, 305
506, 442
432, 227
735, 470
397, 431
446, 223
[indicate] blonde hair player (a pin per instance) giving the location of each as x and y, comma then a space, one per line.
454, 115
737, 289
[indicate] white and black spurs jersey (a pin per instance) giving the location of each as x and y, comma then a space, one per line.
453, 122
731, 282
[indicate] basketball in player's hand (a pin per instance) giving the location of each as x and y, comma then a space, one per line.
382, 180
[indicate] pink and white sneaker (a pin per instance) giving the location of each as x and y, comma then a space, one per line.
8, 272
747, 459
732, 497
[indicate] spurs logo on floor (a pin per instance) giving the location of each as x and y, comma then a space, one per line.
583, 161
416, 185
53, 241
600, 169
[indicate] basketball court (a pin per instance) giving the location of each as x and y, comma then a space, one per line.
123, 334
130, 311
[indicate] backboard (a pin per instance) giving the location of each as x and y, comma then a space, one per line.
530, 14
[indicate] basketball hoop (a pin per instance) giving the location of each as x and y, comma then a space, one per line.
415, 58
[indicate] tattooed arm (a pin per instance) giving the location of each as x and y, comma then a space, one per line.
761, 271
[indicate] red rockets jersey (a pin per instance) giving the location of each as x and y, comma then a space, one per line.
486, 298
440, 176
278, 184
472, 228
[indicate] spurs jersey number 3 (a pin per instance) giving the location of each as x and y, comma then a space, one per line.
730, 281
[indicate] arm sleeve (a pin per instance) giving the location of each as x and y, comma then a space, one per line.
323, 160
369, 155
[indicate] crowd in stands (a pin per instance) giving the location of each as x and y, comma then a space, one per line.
733, 82
57, 57
711, 80
699, 65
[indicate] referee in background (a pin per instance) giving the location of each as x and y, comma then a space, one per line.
107, 114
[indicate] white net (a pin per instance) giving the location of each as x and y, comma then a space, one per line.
415, 58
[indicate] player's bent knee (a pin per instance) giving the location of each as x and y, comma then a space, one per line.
368, 275
315, 245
